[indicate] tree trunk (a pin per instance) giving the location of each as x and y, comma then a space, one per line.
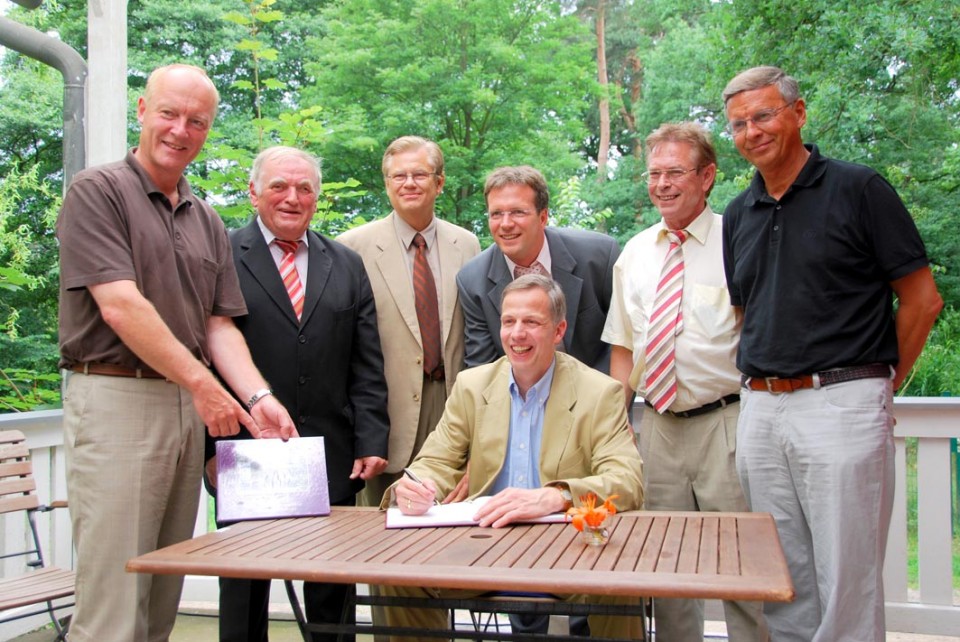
603, 151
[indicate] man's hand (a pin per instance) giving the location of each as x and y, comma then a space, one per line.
272, 419
414, 498
461, 490
517, 504
210, 470
220, 412
367, 467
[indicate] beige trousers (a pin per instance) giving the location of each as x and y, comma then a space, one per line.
689, 465
134, 454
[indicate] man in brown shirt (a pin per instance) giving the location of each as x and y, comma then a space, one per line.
147, 292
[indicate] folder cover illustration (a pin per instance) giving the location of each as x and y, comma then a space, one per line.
270, 478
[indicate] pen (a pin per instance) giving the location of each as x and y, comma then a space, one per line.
416, 480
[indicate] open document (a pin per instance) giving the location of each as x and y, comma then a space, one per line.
455, 514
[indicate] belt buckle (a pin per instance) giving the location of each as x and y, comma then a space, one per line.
769, 381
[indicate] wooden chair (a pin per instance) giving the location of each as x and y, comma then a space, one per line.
41, 585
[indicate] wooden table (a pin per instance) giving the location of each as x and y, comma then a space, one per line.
652, 554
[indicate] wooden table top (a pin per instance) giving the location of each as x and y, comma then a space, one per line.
655, 554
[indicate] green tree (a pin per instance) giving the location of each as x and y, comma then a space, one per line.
496, 82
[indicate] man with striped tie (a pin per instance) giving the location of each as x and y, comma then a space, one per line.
312, 330
674, 336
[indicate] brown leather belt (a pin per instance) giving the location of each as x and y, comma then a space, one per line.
779, 385
113, 370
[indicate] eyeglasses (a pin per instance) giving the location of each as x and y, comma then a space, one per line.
759, 119
420, 178
653, 176
517, 215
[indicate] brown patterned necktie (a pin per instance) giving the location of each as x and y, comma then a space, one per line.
428, 309
290, 275
666, 322
535, 268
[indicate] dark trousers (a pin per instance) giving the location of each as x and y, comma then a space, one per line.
245, 604
533, 623
244, 608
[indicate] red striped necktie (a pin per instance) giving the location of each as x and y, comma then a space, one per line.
666, 322
290, 276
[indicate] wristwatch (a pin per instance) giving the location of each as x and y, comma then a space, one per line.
257, 396
567, 497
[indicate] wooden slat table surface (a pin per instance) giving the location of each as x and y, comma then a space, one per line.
653, 554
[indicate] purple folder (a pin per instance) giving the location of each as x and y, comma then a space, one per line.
270, 478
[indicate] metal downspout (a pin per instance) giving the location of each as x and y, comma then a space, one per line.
71, 65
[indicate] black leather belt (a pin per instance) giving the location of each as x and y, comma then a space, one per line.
723, 402
779, 385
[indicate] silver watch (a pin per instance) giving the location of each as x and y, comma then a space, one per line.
257, 396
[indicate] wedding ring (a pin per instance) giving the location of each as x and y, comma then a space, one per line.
409, 504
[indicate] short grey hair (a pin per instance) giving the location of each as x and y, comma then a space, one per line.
760, 77
558, 302
521, 175
275, 153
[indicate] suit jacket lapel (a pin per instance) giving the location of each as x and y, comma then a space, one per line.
562, 269
494, 427
499, 276
557, 420
256, 258
393, 267
450, 262
319, 266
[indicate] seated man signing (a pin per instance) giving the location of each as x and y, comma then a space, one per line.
563, 425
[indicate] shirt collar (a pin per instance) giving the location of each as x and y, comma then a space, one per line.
183, 185
543, 258
698, 229
540, 390
269, 236
405, 232
809, 175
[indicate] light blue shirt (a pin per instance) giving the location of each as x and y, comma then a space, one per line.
521, 469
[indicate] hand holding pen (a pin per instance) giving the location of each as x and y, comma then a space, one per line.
415, 497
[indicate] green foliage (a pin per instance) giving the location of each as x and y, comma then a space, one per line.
937, 371
499, 82
26, 272
495, 82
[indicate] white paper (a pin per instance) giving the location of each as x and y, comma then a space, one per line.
456, 514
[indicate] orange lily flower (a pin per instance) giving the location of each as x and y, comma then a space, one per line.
589, 514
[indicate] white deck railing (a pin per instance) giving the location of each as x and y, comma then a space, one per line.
931, 609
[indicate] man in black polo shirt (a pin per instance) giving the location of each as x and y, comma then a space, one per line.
814, 251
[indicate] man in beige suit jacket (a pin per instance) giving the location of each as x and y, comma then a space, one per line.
539, 428
413, 173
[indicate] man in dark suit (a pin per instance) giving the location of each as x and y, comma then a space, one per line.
312, 330
581, 262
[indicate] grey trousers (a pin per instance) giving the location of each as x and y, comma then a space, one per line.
821, 461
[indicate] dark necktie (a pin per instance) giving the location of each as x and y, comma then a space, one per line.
428, 309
